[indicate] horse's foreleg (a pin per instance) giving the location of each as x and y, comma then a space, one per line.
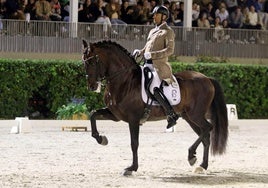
134, 135
100, 114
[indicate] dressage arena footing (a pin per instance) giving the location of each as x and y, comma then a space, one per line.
24, 125
43, 155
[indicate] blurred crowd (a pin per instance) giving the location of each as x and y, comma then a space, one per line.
248, 14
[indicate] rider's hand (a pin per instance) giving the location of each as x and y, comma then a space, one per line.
136, 53
147, 55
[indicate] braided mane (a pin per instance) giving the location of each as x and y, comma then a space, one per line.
108, 44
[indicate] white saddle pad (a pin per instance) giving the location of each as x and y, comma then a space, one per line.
172, 91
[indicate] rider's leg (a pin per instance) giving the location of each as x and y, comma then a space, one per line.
163, 101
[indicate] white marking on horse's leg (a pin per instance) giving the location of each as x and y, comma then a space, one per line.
199, 170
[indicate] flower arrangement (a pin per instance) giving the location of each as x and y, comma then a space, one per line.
73, 111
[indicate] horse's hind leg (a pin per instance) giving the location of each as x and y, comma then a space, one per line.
204, 137
100, 114
206, 144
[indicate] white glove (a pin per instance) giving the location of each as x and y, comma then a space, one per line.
147, 55
136, 53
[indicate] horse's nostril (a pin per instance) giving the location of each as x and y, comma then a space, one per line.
92, 88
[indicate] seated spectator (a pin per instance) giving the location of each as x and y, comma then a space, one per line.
127, 12
204, 3
131, 14
180, 14
90, 12
252, 19
30, 10
217, 23
195, 14
147, 6
14, 10
140, 14
218, 34
144, 12
55, 10
43, 10
225, 24
236, 18
80, 10
210, 13
103, 18
226, 27
114, 13
65, 12
202, 21
221, 12
173, 15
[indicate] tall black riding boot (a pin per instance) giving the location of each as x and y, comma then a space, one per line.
172, 117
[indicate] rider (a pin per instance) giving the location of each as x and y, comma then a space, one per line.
159, 46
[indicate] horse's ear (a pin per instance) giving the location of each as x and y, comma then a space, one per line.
85, 44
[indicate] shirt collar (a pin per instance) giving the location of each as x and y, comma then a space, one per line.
159, 26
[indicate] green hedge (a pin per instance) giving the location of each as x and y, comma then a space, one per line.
246, 86
56, 82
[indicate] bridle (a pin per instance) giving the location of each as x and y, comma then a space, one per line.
98, 68
97, 64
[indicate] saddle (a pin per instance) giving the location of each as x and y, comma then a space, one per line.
150, 80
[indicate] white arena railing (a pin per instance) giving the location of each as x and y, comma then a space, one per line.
63, 37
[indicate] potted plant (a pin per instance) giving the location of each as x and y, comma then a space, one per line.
73, 111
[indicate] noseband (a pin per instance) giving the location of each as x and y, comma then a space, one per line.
96, 62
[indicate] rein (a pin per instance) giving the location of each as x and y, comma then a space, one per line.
114, 75
110, 77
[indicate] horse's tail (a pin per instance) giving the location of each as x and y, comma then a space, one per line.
219, 119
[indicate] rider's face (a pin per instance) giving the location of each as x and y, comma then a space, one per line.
157, 18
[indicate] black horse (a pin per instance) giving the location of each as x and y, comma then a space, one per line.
200, 96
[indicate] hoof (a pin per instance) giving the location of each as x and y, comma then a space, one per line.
192, 161
127, 173
104, 140
199, 170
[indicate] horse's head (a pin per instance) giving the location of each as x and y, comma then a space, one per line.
91, 63
107, 60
